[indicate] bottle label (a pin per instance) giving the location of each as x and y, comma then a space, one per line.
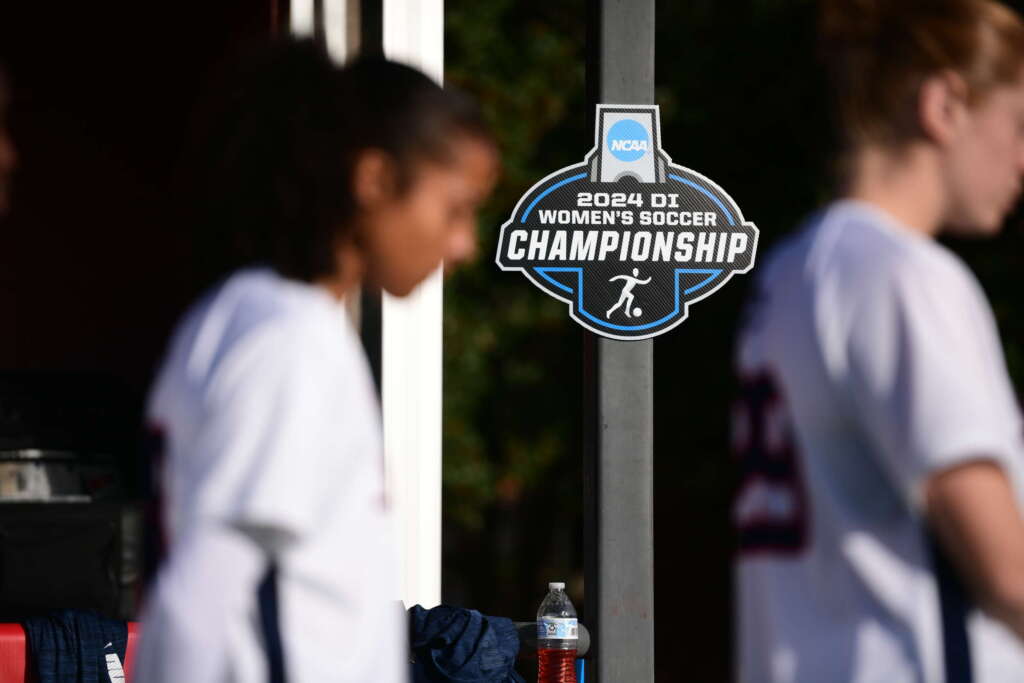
556, 628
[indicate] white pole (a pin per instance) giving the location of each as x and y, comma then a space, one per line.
336, 14
301, 18
411, 354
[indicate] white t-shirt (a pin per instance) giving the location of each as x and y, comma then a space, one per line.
271, 426
869, 360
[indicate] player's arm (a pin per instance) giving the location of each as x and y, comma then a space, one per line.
972, 509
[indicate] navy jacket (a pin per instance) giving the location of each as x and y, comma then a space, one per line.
455, 644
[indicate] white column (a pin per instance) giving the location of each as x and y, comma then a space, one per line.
411, 358
336, 18
301, 18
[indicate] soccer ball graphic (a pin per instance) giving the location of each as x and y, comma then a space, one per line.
637, 312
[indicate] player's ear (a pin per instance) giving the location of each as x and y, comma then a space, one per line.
373, 178
942, 106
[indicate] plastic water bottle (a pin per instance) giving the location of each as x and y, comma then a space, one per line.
557, 635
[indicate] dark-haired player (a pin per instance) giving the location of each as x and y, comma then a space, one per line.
281, 559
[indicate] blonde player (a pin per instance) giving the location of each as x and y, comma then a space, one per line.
280, 561
878, 433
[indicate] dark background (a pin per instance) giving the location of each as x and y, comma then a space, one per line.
94, 268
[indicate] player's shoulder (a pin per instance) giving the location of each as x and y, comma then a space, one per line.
860, 249
260, 315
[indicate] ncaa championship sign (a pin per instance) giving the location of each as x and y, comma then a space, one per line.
627, 239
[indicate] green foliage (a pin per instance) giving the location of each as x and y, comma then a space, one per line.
512, 367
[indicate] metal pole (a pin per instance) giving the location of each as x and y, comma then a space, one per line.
619, 403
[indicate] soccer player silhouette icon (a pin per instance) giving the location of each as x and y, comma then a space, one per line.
627, 294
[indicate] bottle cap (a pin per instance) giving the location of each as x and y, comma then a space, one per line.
556, 586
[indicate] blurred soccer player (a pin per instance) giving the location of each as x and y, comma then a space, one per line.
877, 413
281, 563
7, 155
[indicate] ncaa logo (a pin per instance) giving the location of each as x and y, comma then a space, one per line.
628, 140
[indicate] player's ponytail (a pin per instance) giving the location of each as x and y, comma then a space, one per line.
878, 52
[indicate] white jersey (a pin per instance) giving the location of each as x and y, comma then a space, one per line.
273, 454
869, 360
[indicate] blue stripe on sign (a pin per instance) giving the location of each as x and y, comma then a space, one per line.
543, 272
266, 598
954, 603
548, 191
703, 190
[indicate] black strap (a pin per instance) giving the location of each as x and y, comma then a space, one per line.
270, 624
955, 604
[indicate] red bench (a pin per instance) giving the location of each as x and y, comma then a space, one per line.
14, 653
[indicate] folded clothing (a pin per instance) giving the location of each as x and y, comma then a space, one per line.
76, 646
456, 644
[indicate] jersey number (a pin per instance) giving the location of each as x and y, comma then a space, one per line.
770, 506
